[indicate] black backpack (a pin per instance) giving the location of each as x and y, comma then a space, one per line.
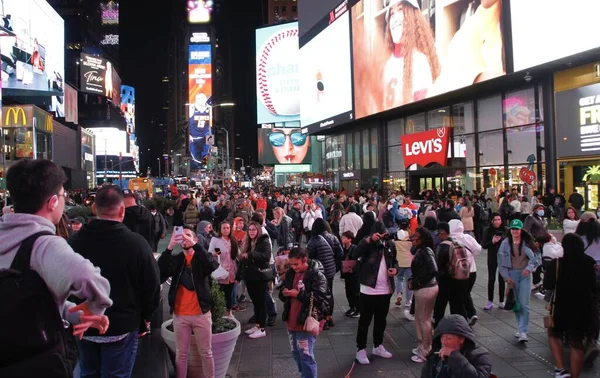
36, 342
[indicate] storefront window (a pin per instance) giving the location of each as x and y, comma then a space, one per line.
415, 124
439, 118
521, 145
489, 113
395, 129
365, 148
519, 108
462, 118
349, 153
394, 181
19, 143
374, 149
464, 148
395, 159
491, 180
491, 148
340, 151
357, 150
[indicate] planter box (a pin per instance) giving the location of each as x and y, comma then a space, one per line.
223, 345
558, 234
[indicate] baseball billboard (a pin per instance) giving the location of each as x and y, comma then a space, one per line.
277, 74
200, 100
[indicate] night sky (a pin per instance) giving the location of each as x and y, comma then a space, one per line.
144, 36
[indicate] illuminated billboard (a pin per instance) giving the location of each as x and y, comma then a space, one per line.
110, 13
199, 11
110, 141
98, 76
33, 61
199, 101
283, 146
128, 107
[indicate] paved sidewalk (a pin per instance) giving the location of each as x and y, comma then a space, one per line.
336, 348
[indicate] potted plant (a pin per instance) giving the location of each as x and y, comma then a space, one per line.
554, 228
225, 333
592, 175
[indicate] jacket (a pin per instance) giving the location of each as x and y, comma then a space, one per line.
466, 218
259, 257
369, 255
469, 362
490, 232
285, 237
535, 226
207, 214
504, 261
203, 237
327, 249
191, 214
160, 224
139, 220
446, 215
403, 247
296, 218
350, 222
424, 269
466, 240
127, 262
314, 282
348, 256
309, 217
203, 264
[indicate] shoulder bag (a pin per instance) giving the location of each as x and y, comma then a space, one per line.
549, 319
311, 324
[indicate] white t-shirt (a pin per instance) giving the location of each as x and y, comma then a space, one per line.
382, 287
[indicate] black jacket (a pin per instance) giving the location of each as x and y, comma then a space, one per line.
492, 248
296, 218
285, 237
424, 269
258, 258
446, 215
207, 214
203, 265
369, 256
314, 282
327, 249
140, 220
160, 224
125, 259
534, 225
469, 362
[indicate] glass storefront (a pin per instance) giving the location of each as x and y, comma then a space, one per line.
88, 154
496, 143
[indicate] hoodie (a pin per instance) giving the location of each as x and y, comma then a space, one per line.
238, 235
64, 272
457, 234
468, 362
140, 220
127, 262
203, 236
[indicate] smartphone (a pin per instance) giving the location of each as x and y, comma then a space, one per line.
218, 251
178, 233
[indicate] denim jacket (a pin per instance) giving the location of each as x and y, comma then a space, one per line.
504, 263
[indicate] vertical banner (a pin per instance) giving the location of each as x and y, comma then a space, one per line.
71, 105
200, 100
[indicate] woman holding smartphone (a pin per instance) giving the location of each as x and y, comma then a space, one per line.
225, 249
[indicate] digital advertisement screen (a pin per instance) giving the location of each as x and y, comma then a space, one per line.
110, 13
578, 121
326, 74
98, 76
310, 12
404, 53
199, 11
550, 42
128, 106
33, 61
110, 140
277, 74
283, 146
71, 105
200, 100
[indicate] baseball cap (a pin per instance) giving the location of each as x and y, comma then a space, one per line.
516, 224
391, 3
77, 220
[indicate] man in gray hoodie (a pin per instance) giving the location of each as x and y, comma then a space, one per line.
38, 196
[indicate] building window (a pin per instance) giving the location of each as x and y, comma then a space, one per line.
462, 118
519, 108
357, 144
489, 113
349, 153
491, 148
365, 148
415, 124
374, 149
283, 9
438, 118
294, 8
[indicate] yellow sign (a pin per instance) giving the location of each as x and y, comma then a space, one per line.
48, 126
15, 112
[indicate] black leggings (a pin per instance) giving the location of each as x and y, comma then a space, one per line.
256, 291
330, 292
227, 290
352, 290
492, 264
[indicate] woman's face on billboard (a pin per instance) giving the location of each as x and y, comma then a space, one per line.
290, 146
396, 22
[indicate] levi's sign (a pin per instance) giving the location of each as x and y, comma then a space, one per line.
426, 147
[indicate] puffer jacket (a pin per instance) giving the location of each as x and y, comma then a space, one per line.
468, 362
327, 249
424, 269
369, 257
191, 214
285, 237
314, 282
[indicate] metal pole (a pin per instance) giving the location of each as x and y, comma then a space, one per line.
158, 159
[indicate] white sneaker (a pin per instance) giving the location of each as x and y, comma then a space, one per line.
517, 334
407, 304
381, 352
523, 338
361, 357
415, 351
252, 330
539, 296
409, 316
418, 359
501, 305
258, 334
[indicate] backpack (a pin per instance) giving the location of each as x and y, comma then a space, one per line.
484, 214
38, 344
459, 266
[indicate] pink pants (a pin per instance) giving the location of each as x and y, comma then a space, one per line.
202, 327
424, 302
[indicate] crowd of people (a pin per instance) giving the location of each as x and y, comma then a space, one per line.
271, 243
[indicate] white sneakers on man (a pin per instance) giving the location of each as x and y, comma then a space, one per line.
252, 330
381, 352
361, 357
258, 334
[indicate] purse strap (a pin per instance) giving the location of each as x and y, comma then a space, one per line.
311, 306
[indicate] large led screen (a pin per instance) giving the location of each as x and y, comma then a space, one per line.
404, 52
128, 106
310, 12
199, 11
546, 30
33, 61
98, 76
277, 74
283, 146
326, 74
110, 141
578, 121
200, 100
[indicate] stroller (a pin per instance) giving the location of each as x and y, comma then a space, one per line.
551, 249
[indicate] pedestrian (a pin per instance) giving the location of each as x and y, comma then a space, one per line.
137, 218
159, 227
225, 250
304, 288
493, 237
404, 258
350, 276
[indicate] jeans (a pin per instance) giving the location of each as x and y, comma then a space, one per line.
201, 325
302, 345
425, 299
228, 292
403, 276
234, 294
108, 360
450, 291
492, 264
522, 288
257, 290
372, 306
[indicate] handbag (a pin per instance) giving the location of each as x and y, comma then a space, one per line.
311, 324
266, 274
549, 318
348, 266
510, 299
220, 273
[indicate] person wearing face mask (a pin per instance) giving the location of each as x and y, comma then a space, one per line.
534, 223
454, 352
160, 227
